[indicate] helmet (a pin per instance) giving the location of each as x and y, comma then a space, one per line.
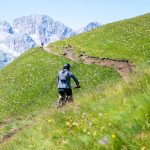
66, 66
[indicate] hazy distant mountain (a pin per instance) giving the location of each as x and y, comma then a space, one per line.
90, 26
12, 45
19, 42
6, 55
42, 26
29, 31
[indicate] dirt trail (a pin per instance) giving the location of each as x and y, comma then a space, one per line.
12, 132
5, 122
123, 67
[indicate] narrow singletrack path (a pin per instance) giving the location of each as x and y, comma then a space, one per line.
123, 67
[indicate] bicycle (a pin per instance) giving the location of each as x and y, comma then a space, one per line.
63, 100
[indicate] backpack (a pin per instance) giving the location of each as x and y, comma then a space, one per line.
64, 75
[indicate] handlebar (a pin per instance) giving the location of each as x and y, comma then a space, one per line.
77, 87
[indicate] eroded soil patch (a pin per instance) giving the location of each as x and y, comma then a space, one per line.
123, 67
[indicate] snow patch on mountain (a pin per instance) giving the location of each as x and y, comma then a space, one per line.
3, 36
36, 38
6, 55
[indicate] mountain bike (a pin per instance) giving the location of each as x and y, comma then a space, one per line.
63, 100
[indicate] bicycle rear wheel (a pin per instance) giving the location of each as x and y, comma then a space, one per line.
60, 102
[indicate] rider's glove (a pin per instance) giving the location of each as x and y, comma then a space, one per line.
78, 86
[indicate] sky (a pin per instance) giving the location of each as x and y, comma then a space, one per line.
75, 13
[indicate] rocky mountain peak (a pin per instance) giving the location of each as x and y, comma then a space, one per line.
89, 26
6, 27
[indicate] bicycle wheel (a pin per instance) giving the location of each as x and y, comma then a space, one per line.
60, 102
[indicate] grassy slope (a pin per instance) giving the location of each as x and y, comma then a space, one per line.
128, 39
29, 85
30, 82
118, 115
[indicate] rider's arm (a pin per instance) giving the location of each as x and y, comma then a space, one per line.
74, 78
57, 78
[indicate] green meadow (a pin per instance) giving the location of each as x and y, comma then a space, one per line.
107, 114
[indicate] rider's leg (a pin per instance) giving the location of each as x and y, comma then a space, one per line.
69, 95
62, 94
70, 98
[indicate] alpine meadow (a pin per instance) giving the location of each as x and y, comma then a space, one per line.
111, 110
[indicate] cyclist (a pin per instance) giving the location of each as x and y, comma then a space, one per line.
64, 85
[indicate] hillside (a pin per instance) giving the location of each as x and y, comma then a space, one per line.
108, 113
30, 82
29, 86
127, 39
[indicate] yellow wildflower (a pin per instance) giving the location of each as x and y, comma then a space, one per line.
94, 134
50, 120
68, 124
113, 136
84, 130
103, 128
64, 141
75, 124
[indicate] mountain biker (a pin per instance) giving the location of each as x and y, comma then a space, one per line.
43, 40
64, 85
